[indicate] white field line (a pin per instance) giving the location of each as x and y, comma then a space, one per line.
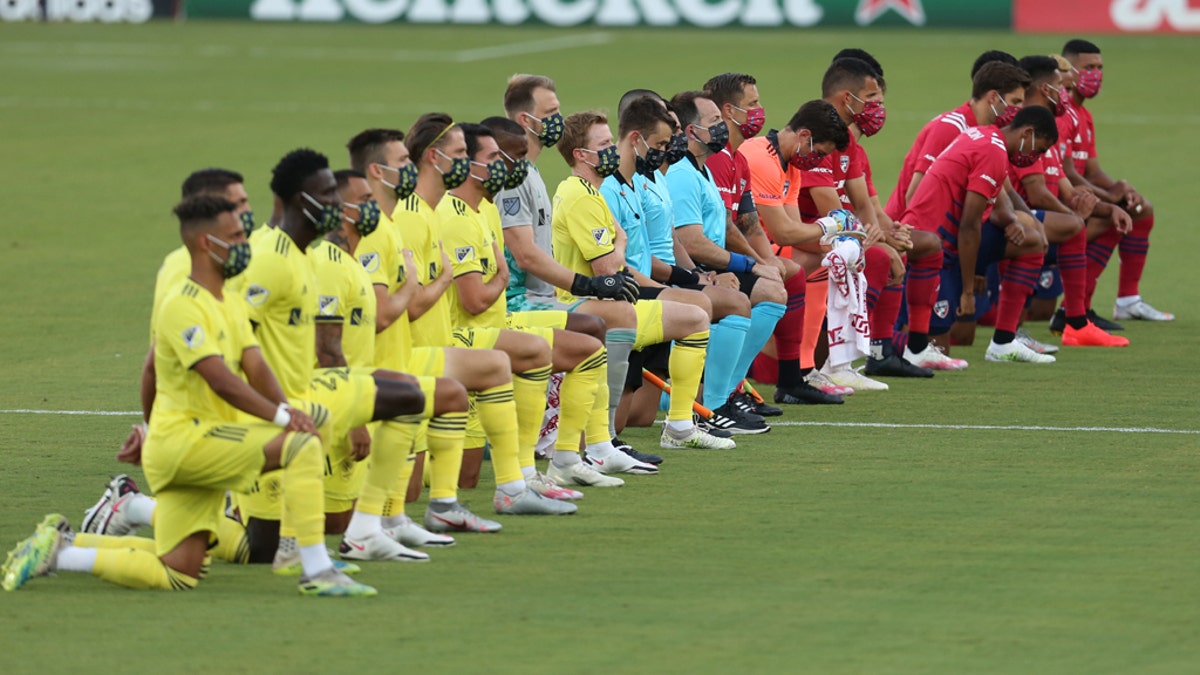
847, 425
533, 47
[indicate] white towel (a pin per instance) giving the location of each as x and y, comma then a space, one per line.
849, 329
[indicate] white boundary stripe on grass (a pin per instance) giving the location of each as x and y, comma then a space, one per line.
533, 47
847, 425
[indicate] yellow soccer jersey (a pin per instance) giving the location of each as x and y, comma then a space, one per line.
468, 240
583, 228
418, 226
345, 297
381, 256
281, 298
192, 325
175, 268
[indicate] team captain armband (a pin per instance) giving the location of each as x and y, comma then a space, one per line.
682, 277
739, 263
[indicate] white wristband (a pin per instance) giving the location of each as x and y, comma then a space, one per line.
282, 416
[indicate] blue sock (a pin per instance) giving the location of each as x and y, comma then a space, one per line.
725, 338
763, 318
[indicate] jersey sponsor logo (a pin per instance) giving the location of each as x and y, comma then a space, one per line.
256, 295
193, 337
600, 234
356, 316
825, 169
295, 317
941, 308
973, 133
787, 187
510, 205
328, 305
370, 261
464, 253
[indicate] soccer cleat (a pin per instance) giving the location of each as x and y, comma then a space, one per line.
851, 378
332, 584
34, 556
823, 382
735, 421
106, 516
455, 517
409, 533
582, 474
1015, 352
804, 393
378, 546
707, 428
1058, 322
694, 438
542, 484
1102, 323
290, 566
530, 503
744, 400
1091, 336
1142, 311
894, 365
933, 358
1039, 347
639, 456
619, 462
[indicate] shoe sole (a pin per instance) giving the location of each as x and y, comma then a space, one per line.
1000, 359
747, 432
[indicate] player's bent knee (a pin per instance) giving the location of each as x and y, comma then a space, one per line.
588, 324
449, 396
395, 398
766, 291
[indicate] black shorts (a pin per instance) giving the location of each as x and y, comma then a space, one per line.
655, 358
649, 292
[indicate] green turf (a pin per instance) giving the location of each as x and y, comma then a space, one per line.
817, 549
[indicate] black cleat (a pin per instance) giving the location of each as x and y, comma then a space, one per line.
747, 403
729, 418
894, 365
1107, 325
1058, 322
639, 456
707, 427
805, 393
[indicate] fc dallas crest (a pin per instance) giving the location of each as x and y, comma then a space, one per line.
869, 10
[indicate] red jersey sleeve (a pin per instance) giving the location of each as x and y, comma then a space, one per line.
720, 165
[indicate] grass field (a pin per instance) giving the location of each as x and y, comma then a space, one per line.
817, 548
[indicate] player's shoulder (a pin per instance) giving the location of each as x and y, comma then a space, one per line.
185, 298
326, 252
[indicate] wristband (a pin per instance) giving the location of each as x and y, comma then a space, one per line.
282, 416
682, 277
739, 263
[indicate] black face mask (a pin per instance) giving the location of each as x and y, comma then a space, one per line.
647, 165
678, 148
718, 137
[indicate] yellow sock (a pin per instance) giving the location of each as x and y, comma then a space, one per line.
302, 460
686, 366
498, 415
582, 403
86, 540
445, 453
395, 439
137, 568
232, 545
529, 393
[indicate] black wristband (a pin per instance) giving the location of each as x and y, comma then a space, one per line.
579, 286
682, 277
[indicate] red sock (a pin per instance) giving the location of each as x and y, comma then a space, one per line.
887, 310
1072, 267
1015, 288
1134, 247
790, 329
1099, 251
924, 277
878, 263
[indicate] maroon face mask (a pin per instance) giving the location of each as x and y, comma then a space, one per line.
871, 118
1022, 159
755, 119
807, 162
1087, 82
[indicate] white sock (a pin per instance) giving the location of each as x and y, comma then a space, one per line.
600, 450
513, 487
139, 508
75, 559
363, 525
394, 521
1128, 300
443, 500
680, 426
565, 459
315, 559
528, 472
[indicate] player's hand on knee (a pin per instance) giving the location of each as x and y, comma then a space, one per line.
131, 449
301, 423
1122, 221
1015, 233
966, 305
360, 444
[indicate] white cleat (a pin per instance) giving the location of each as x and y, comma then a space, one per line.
693, 439
1036, 345
108, 516
933, 358
1140, 310
530, 503
619, 462
1015, 352
546, 487
378, 546
582, 474
851, 378
456, 518
821, 380
409, 533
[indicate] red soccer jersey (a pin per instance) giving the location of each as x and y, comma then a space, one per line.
939, 133
871, 191
731, 173
1068, 126
833, 171
1084, 140
976, 162
1049, 164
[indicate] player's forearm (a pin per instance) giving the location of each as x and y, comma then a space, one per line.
1098, 177
1014, 199
794, 233
747, 223
643, 280
761, 245
261, 378
425, 298
149, 387
735, 241
609, 263
968, 250
659, 270
912, 186
534, 260
682, 257
238, 393
704, 252
329, 346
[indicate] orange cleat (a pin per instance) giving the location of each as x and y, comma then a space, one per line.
1091, 336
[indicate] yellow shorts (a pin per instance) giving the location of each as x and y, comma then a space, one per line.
649, 323
427, 361
538, 319
344, 477
190, 475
